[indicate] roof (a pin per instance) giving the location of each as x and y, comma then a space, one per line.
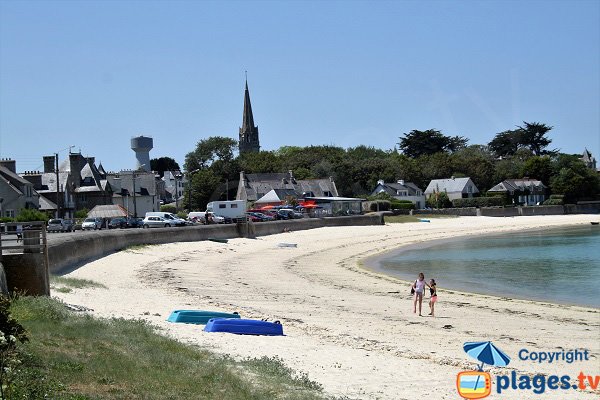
107, 211
270, 197
46, 204
334, 199
10, 185
256, 186
145, 182
519, 185
12, 177
452, 185
393, 188
49, 181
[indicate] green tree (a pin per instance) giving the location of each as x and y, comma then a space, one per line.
203, 185
439, 200
31, 214
538, 167
505, 143
477, 163
533, 137
210, 150
260, 162
574, 180
163, 164
417, 143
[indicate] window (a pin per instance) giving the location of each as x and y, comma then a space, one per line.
9, 213
222, 205
234, 206
327, 193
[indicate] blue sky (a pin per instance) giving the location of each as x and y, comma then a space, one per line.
94, 74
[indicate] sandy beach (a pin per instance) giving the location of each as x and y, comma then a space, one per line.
348, 328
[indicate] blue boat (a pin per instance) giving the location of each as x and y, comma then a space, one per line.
245, 327
424, 220
199, 317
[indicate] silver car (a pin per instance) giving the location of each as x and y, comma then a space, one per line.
156, 222
60, 225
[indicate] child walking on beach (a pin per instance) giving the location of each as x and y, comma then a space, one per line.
433, 298
419, 287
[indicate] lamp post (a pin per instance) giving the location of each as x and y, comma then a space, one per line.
177, 177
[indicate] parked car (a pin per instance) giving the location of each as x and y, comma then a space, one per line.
135, 222
115, 223
173, 219
90, 224
291, 214
156, 222
60, 225
252, 217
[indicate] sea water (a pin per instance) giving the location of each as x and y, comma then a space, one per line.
554, 265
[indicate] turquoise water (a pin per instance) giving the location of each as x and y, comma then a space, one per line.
554, 265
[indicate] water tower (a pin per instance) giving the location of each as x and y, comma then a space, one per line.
142, 146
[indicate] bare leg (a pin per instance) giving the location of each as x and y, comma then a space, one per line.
433, 309
420, 303
415, 303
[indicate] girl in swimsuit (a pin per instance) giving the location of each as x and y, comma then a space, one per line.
433, 298
419, 287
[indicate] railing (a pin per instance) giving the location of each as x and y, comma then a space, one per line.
23, 237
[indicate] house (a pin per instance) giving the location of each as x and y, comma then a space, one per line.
588, 159
253, 187
522, 191
455, 188
77, 184
174, 186
135, 191
15, 192
401, 190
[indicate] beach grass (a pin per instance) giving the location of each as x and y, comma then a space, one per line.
75, 356
65, 285
399, 219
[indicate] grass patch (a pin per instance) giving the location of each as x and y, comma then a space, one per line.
75, 356
399, 219
64, 284
133, 248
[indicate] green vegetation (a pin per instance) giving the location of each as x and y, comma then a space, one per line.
74, 283
494, 201
168, 208
30, 214
423, 156
82, 214
74, 356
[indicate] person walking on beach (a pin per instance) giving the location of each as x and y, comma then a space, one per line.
419, 287
433, 298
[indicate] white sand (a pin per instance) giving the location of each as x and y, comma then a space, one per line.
350, 329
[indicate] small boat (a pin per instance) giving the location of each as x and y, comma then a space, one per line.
287, 244
218, 240
199, 317
424, 220
245, 327
595, 222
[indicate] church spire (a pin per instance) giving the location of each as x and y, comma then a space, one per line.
248, 132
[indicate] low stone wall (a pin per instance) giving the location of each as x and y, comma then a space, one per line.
499, 212
542, 210
463, 212
68, 252
27, 273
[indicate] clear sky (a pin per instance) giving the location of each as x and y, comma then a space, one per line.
93, 74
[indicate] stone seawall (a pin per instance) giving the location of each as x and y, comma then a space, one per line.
68, 252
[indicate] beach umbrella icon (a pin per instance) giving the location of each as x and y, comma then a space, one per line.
487, 353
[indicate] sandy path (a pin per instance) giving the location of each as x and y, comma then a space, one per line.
350, 329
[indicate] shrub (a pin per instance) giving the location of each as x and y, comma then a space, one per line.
402, 205
439, 200
82, 214
11, 332
182, 215
30, 214
478, 202
380, 205
168, 208
553, 202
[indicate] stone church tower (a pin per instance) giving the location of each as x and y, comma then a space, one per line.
248, 132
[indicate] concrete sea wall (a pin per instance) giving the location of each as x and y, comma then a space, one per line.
68, 252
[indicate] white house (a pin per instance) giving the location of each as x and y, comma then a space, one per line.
455, 188
401, 190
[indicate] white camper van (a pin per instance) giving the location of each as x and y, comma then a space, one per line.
234, 209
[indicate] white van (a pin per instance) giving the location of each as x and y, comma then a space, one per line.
171, 218
233, 209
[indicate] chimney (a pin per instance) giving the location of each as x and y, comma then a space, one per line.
9, 164
75, 168
91, 160
381, 182
401, 182
292, 179
35, 178
49, 162
243, 178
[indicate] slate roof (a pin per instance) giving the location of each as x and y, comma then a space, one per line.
393, 188
49, 181
12, 177
145, 182
255, 186
456, 185
46, 204
519, 185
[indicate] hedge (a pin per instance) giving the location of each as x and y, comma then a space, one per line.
380, 205
478, 202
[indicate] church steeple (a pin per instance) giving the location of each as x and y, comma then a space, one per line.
248, 132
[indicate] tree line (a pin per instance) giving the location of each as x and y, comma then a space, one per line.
213, 167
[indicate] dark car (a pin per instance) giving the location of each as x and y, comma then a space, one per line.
117, 223
135, 222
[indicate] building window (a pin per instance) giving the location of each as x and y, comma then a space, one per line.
9, 213
327, 193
